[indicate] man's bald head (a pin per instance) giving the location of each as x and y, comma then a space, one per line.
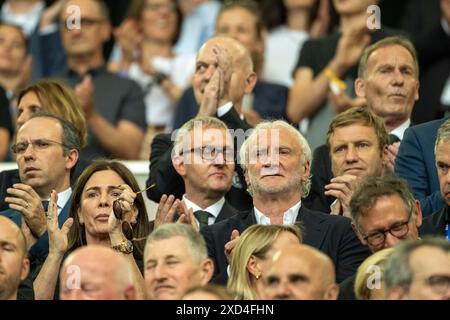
234, 63
240, 55
14, 265
97, 267
301, 272
15, 233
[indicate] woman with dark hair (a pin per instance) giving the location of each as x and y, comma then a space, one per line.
147, 40
107, 209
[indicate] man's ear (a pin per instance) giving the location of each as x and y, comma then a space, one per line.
25, 269
178, 164
360, 88
416, 95
307, 167
396, 293
130, 293
106, 31
72, 158
207, 270
247, 179
250, 82
331, 292
358, 234
418, 214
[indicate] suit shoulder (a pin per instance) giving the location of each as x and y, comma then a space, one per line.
427, 127
331, 219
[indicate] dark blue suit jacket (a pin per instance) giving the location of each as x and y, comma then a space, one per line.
39, 251
435, 223
269, 102
331, 234
415, 162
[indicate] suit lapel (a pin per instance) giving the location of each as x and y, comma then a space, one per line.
227, 211
313, 228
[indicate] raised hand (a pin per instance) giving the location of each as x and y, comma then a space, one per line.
167, 208
187, 216
341, 188
341, 101
25, 200
350, 47
390, 154
85, 92
225, 68
129, 38
229, 246
123, 209
57, 237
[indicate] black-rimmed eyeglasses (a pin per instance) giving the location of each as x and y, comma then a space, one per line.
398, 230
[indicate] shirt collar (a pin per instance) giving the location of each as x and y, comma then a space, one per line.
289, 217
400, 130
213, 209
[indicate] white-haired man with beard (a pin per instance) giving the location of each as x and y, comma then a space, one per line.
276, 160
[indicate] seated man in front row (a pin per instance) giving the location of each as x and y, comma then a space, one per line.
203, 155
276, 159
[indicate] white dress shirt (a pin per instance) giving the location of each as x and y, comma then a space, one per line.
213, 209
400, 130
63, 197
289, 217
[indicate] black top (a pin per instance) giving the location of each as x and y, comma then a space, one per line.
5, 115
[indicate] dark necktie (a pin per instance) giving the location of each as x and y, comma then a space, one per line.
202, 217
393, 138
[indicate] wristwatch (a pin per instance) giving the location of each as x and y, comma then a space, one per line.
124, 247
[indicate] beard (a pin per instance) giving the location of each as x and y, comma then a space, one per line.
295, 182
8, 286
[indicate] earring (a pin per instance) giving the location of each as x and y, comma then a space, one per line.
258, 276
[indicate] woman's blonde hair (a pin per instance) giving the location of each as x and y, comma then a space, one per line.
254, 241
374, 263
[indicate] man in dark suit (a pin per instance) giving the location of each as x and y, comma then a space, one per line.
203, 156
388, 80
46, 148
268, 100
221, 79
276, 159
384, 213
438, 223
416, 163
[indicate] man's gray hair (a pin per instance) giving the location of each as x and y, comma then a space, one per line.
199, 122
70, 136
443, 134
194, 239
306, 156
372, 189
398, 271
